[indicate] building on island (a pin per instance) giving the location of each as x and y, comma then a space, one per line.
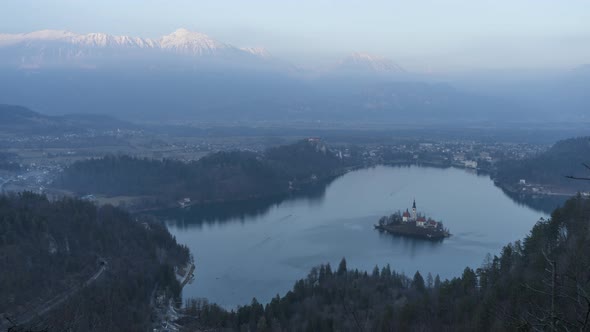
413, 224
406, 216
419, 220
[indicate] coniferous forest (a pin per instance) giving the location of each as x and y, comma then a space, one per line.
99, 264
218, 177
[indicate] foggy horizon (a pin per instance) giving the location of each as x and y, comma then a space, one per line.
421, 36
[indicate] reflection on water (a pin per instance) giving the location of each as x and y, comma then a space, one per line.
248, 249
543, 203
237, 211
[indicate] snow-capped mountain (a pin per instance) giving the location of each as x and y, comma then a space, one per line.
371, 63
187, 42
67, 37
58, 47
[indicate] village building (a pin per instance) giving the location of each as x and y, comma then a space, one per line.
421, 222
406, 216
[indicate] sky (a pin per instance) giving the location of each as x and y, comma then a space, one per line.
420, 35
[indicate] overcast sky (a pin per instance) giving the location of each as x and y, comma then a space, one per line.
418, 34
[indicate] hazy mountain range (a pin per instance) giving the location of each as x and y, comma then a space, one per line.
189, 76
57, 47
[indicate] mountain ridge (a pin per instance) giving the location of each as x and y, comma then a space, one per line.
21, 119
39, 48
44, 47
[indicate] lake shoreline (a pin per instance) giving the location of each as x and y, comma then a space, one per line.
286, 239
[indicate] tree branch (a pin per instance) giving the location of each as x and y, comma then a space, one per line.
577, 178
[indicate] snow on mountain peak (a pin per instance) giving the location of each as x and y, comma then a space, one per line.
184, 34
106, 40
95, 39
47, 35
59, 46
190, 42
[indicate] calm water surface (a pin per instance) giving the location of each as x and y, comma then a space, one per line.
262, 253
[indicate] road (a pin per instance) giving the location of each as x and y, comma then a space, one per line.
48, 306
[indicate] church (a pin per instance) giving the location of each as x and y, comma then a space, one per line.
420, 221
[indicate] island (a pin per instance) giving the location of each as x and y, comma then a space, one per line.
412, 224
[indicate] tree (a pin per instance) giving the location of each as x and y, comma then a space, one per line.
437, 282
375, 273
469, 279
418, 282
342, 267
429, 280
386, 271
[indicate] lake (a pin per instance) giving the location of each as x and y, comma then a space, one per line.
260, 249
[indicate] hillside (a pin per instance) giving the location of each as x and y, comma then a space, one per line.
511, 291
549, 169
218, 177
106, 263
21, 120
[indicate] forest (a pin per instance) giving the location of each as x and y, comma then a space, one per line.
217, 177
565, 158
541, 283
49, 248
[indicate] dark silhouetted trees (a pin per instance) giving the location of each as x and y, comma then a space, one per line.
218, 177
48, 249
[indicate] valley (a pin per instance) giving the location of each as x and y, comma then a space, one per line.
291, 166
